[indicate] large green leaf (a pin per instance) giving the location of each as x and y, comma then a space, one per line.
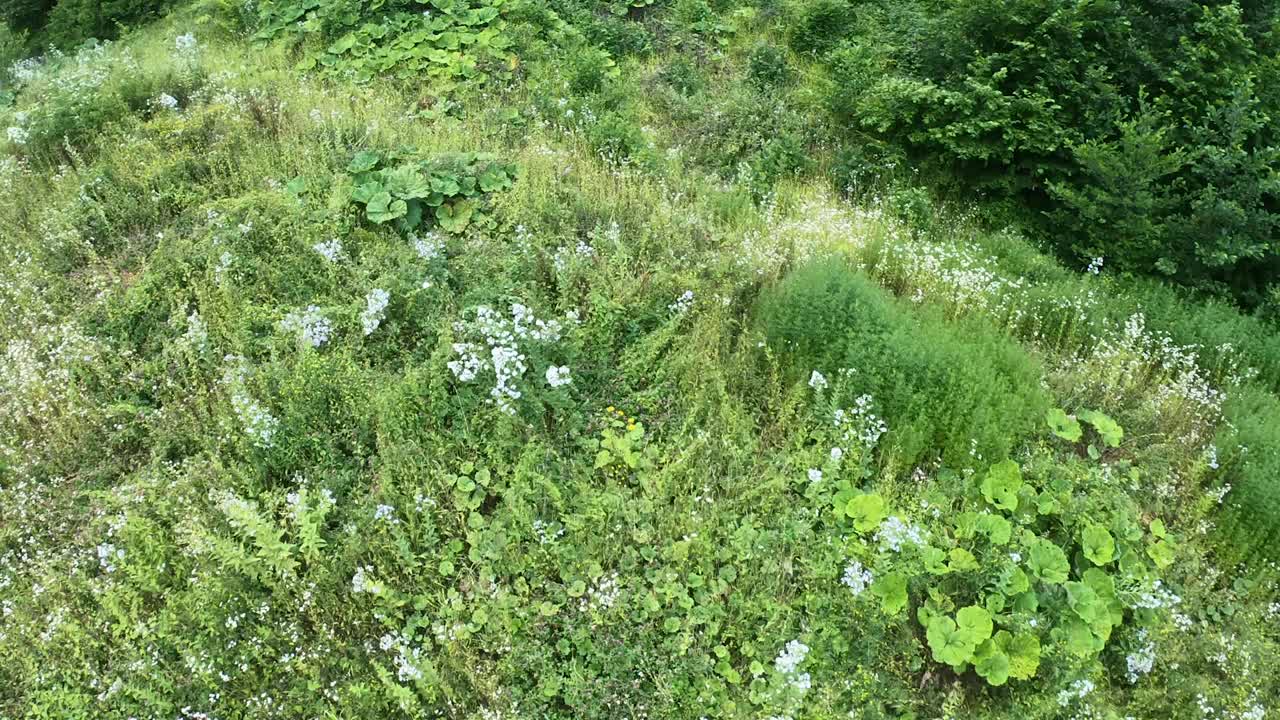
1108, 429
1084, 602
456, 216
866, 511
382, 208
991, 663
1064, 426
975, 621
948, 643
1001, 485
997, 529
363, 162
1098, 545
1023, 650
892, 591
1048, 562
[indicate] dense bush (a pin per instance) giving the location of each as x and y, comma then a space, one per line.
1251, 478
67, 23
938, 385
1138, 132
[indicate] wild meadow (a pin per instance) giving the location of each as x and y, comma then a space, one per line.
639, 359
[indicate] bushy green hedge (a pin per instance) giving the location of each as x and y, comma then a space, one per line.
67, 23
959, 386
1135, 131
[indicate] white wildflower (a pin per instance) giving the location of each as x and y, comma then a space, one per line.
311, 326
894, 534
375, 309
558, 376
682, 303
857, 578
818, 381
330, 250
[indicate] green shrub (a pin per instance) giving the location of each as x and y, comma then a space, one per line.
455, 42
961, 388
1137, 132
767, 67
819, 25
1250, 466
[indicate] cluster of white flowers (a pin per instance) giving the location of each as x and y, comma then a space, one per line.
429, 247
818, 381
857, 578
564, 256
197, 335
258, 422
362, 583
298, 508
558, 376
330, 249
375, 309
1094, 267
682, 303
499, 351
108, 556
788, 664
601, 595
541, 527
224, 264
167, 101
310, 325
26, 70
387, 514
858, 425
894, 534
1141, 661
186, 45
408, 657
815, 475
1157, 597
1255, 712
1076, 691
18, 135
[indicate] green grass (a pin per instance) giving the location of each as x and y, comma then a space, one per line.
200, 510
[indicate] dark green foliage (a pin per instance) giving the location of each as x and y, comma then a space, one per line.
1138, 132
445, 191
451, 42
67, 23
767, 67
937, 384
819, 308
819, 25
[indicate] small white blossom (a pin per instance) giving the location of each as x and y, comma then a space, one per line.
311, 326
857, 578
375, 309
167, 101
818, 381
1076, 691
558, 376
330, 250
682, 303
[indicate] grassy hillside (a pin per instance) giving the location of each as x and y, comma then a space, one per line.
559, 360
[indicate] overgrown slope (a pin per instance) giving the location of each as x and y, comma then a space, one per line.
561, 384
